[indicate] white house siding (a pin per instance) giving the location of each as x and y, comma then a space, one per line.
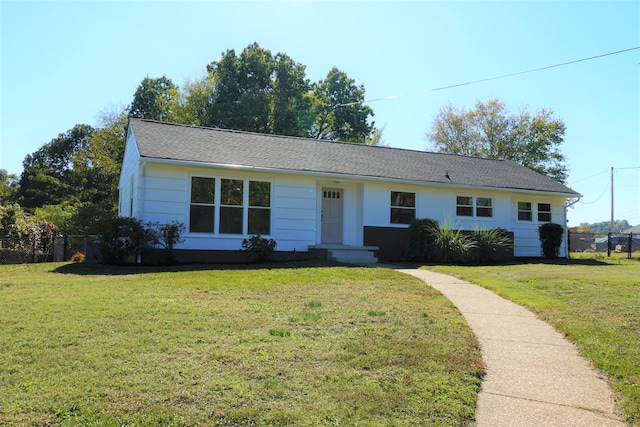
161, 193
293, 213
439, 203
165, 192
128, 183
525, 233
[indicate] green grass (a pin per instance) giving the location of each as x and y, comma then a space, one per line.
104, 346
593, 300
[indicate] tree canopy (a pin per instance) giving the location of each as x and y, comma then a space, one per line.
258, 91
72, 180
490, 131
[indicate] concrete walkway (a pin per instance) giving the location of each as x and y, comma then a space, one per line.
534, 376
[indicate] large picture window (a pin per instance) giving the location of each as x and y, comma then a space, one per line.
403, 207
202, 209
241, 206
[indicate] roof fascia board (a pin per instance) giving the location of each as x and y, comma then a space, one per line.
331, 175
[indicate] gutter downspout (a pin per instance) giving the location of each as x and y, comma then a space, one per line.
142, 186
566, 224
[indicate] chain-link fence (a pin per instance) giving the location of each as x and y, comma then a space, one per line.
613, 242
57, 249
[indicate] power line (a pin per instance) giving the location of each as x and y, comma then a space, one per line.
490, 78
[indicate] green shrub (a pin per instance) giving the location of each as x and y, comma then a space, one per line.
122, 238
453, 246
421, 239
166, 236
259, 248
551, 239
490, 245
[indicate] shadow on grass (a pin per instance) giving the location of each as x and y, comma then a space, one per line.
517, 261
99, 269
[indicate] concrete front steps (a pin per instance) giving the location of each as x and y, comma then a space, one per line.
361, 255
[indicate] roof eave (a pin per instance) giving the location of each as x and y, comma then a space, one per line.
334, 175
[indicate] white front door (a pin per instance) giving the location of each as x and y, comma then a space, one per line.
332, 215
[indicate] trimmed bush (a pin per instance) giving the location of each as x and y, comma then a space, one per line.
166, 236
551, 239
123, 238
259, 248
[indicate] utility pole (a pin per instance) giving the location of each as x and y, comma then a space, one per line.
612, 219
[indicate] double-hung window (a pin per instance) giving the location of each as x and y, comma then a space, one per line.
464, 206
544, 212
231, 209
202, 209
524, 211
484, 207
481, 207
403, 207
259, 221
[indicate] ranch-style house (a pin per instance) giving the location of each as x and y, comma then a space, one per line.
346, 201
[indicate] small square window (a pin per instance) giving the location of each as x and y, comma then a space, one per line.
544, 212
524, 211
403, 207
484, 207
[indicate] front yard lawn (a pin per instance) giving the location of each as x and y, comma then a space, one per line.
284, 345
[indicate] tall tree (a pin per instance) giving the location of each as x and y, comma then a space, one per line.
339, 110
490, 131
291, 106
154, 99
8, 187
242, 90
76, 173
47, 176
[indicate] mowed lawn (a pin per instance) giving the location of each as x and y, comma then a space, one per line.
291, 344
594, 302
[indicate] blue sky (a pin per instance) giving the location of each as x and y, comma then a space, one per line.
63, 63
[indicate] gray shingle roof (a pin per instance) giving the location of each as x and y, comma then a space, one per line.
157, 140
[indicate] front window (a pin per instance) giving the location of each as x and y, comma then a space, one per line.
403, 207
240, 206
481, 207
202, 209
259, 221
484, 207
544, 212
231, 210
464, 206
524, 211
